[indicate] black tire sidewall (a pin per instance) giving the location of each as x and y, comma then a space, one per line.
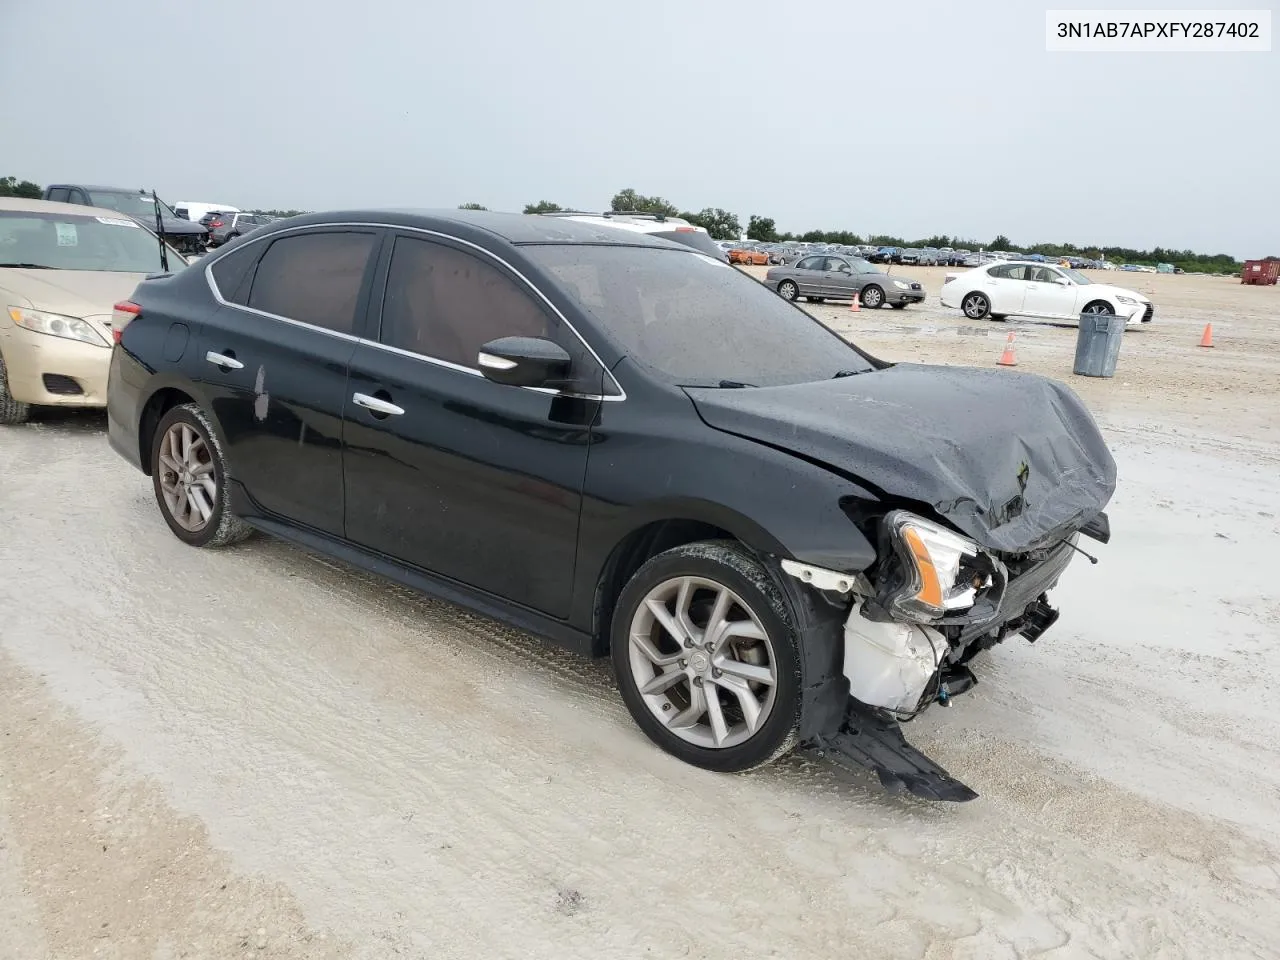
206, 534
778, 733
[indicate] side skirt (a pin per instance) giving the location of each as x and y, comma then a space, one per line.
441, 588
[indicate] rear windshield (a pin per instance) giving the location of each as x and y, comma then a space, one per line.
693, 238
61, 242
696, 321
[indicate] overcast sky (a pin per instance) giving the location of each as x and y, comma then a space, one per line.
909, 118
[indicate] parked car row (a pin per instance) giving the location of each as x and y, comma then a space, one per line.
549, 421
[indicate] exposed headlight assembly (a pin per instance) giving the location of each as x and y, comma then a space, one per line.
1124, 299
939, 576
56, 325
901, 286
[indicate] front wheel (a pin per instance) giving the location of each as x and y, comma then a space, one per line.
1099, 308
788, 290
707, 658
189, 476
975, 305
11, 410
872, 297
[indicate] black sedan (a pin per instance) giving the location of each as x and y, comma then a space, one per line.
623, 445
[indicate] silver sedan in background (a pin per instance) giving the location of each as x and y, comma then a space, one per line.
827, 277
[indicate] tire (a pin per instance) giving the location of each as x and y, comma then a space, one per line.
975, 305
788, 290
1099, 307
872, 296
816, 299
703, 570
220, 527
999, 317
11, 411
898, 306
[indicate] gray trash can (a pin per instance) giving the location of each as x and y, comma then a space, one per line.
1098, 344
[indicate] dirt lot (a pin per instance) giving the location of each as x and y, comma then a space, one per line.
256, 752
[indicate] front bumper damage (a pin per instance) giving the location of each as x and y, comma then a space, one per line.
865, 737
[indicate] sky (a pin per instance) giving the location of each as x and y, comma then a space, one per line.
909, 118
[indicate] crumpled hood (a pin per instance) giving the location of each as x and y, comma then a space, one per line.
1013, 460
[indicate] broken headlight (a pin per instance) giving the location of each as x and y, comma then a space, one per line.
939, 576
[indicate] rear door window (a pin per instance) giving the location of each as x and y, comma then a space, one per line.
315, 278
233, 273
59, 194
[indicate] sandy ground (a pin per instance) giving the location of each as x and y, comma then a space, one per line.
256, 752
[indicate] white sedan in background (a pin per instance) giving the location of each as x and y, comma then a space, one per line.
1015, 288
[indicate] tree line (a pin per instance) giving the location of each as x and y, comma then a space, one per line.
724, 225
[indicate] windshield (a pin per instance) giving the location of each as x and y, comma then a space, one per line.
1075, 275
127, 202
62, 242
696, 321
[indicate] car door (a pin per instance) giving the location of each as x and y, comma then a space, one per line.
1007, 287
809, 274
446, 470
1046, 296
840, 279
274, 365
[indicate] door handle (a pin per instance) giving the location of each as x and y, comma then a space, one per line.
376, 405
221, 360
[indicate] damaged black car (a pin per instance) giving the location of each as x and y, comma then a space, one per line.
625, 446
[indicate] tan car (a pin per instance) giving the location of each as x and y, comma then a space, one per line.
62, 268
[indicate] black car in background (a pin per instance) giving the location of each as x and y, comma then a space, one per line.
626, 446
138, 205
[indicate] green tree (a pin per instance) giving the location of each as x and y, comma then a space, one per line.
627, 200
13, 187
1001, 242
761, 228
721, 224
471, 206
543, 206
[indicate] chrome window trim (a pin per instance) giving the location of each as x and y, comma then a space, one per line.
435, 361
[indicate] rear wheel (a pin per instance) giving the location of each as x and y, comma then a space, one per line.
707, 658
189, 476
872, 297
975, 305
11, 410
999, 316
898, 306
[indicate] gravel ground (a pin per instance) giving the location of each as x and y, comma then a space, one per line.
259, 752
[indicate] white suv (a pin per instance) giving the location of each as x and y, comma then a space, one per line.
653, 224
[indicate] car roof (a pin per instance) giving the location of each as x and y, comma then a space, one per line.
516, 228
23, 205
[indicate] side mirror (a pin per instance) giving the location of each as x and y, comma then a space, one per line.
524, 362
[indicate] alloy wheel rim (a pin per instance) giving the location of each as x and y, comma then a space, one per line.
187, 480
872, 297
789, 290
1098, 309
702, 662
974, 306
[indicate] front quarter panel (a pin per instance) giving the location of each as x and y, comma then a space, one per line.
652, 458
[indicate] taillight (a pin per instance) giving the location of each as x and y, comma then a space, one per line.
121, 315
215, 223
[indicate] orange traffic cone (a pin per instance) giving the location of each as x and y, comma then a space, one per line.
855, 306
1207, 339
1007, 359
